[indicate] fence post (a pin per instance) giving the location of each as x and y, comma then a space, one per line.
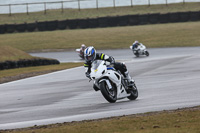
166, 3
183, 1
131, 3
79, 8
45, 11
27, 9
10, 10
97, 4
62, 6
149, 2
114, 3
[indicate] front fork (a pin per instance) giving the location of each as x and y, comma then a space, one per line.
107, 82
96, 84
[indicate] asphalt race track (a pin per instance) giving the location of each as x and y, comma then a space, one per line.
168, 79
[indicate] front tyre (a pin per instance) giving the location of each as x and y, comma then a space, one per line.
147, 53
134, 92
136, 53
109, 94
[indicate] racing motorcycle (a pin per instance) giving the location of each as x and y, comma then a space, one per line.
112, 84
80, 53
140, 50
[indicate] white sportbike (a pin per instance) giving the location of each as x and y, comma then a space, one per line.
140, 50
112, 84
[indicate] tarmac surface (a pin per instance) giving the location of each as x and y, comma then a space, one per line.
168, 79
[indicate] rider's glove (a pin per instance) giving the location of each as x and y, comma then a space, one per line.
87, 74
112, 60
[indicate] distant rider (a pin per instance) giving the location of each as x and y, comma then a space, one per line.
138, 46
83, 47
91, 55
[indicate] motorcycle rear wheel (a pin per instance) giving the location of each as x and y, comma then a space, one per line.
134, 93
109, 94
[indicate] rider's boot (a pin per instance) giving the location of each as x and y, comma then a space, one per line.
128, 77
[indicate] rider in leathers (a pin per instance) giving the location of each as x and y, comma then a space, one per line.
82, 49
138, 46
91, 55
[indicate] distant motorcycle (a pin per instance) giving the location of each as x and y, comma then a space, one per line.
140, 50
80, 53
112, 84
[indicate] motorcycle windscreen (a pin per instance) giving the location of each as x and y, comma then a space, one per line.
96, 64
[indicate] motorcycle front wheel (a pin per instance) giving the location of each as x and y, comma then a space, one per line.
109, 94
147, 53
133, 92
137, 55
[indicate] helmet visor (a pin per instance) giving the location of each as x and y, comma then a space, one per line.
92, 56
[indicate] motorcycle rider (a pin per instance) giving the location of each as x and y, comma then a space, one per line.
91, 55
138, 46
83, 47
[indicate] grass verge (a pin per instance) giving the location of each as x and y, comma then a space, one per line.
13, 54
178, 121
159, 35
93, 13
20, 73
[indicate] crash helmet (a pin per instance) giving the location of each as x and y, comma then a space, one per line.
83, 46
90, 54
136, 43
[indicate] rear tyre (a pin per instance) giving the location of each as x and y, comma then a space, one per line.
133, 92
109, 94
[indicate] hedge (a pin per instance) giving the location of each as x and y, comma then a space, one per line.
109, 21
27, 63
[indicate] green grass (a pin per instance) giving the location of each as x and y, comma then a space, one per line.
184, 121
159, 35
93, 13
8, 53
19, 73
